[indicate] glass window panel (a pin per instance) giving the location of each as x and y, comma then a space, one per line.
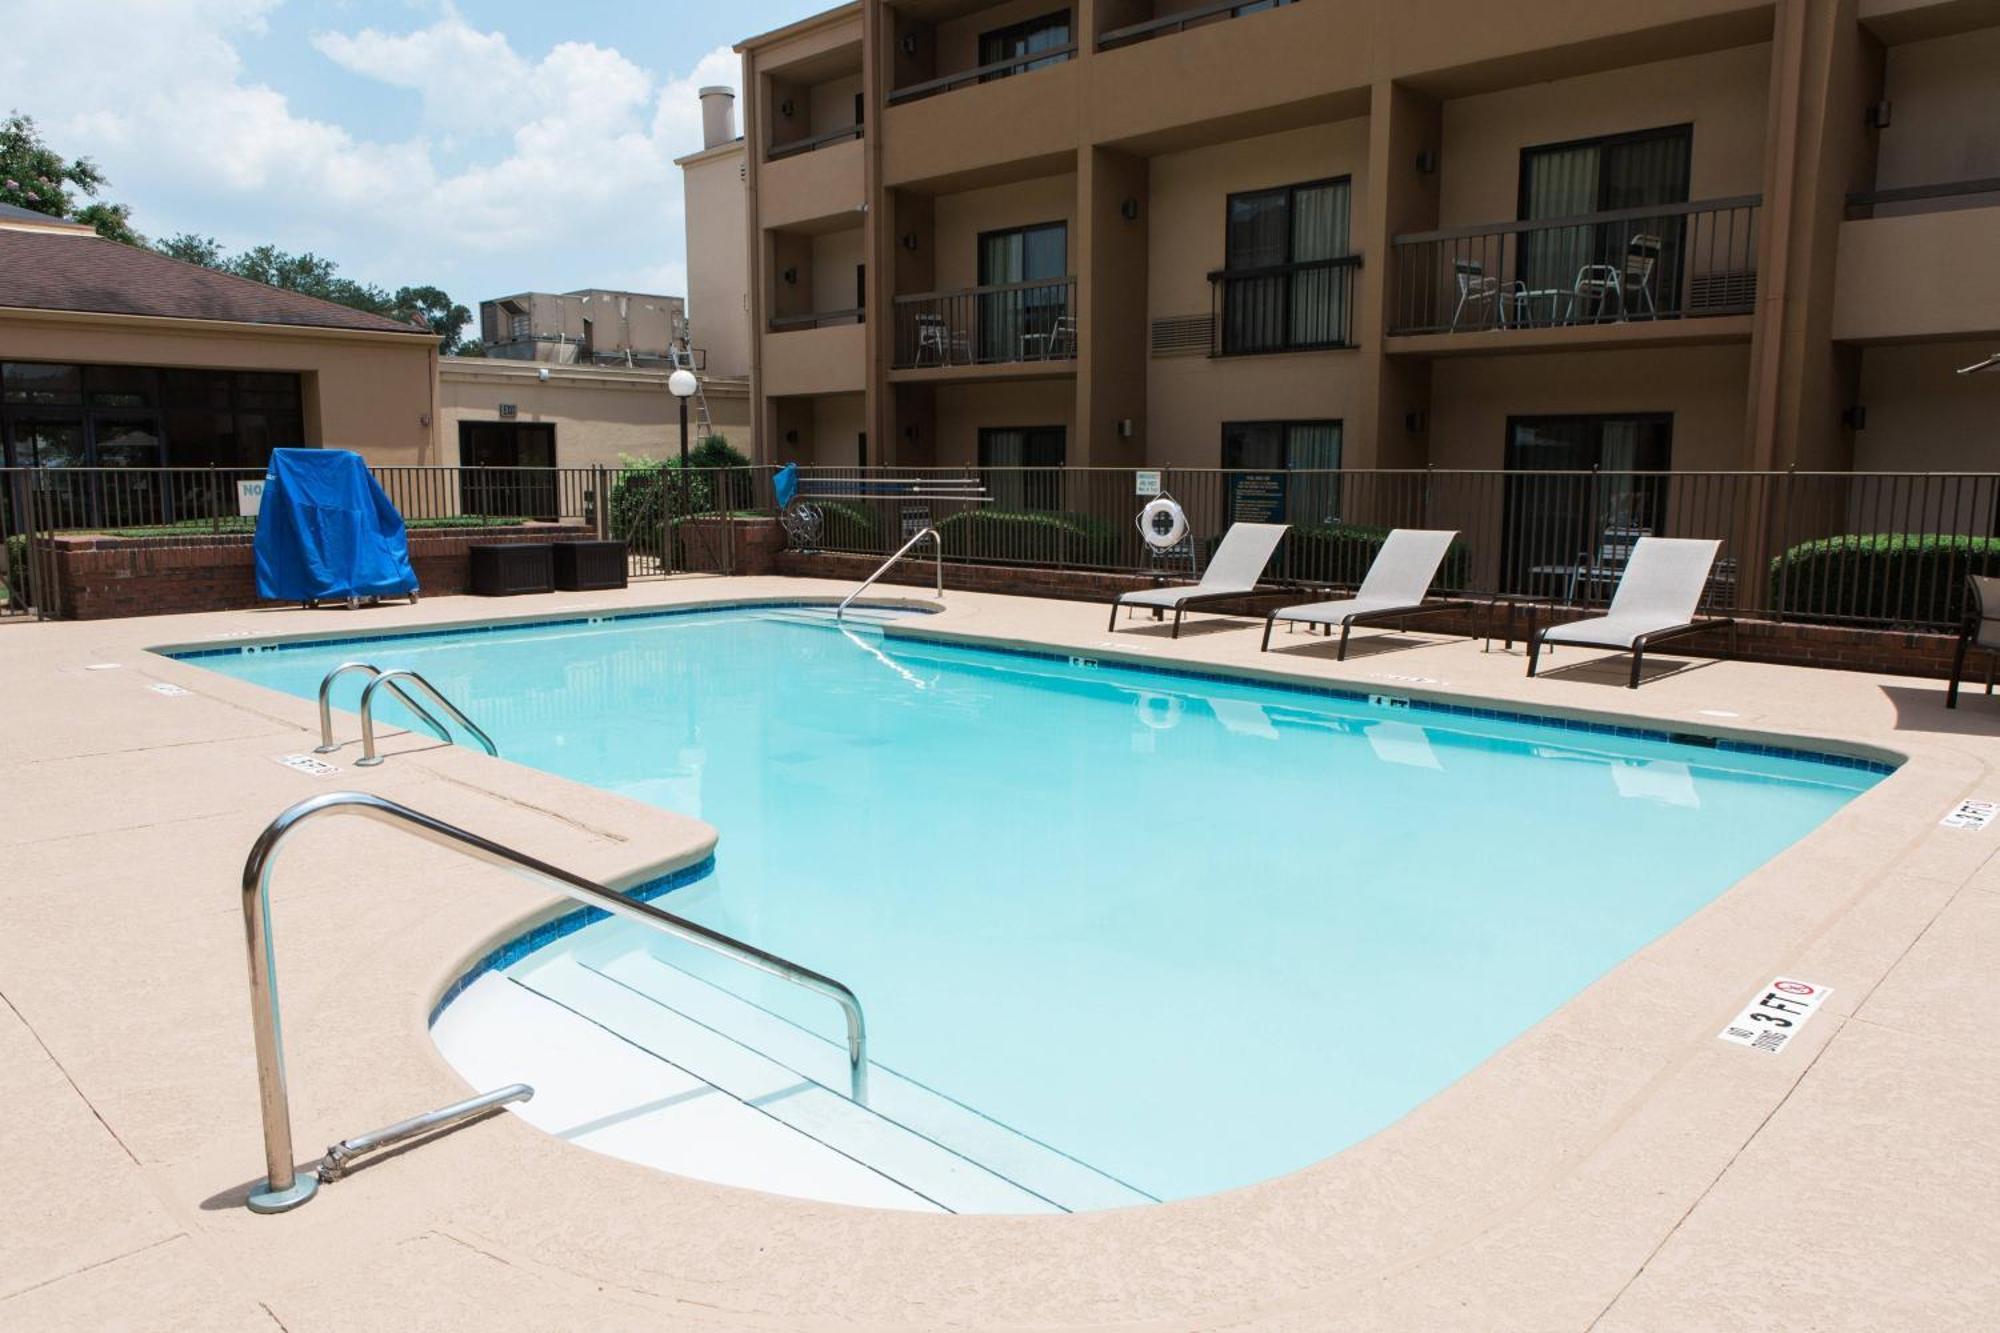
33, 382
265, 390
118, 386
202, 439
195, 388
1258, 445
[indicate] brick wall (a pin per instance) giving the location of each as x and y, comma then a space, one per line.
1838, 647
99, 577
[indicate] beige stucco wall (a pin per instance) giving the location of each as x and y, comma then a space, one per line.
1189, 397
373, 393
813, 361
1945, 112
835, 255
961, 217
1922, 415
827, 427
962, 409
718, 257
1703, 387
1723, 94
599, 415
1921, 274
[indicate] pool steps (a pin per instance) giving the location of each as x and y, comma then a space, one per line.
933, 1146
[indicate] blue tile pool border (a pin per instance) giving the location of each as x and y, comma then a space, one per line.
567, 924
1349, 694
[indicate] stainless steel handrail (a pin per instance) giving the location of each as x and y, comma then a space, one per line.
283, 1186
901, 551
389, 678
326, 745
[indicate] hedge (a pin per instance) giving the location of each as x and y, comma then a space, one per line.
638, 494
845, 527
1038, 536
1904, 577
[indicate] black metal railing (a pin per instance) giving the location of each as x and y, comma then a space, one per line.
1013, 321
821, 319
1661, 261
1943, 194
1182, 19
1299, 307
998, 69
792, 148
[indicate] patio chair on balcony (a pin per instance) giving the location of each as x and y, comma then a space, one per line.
1057, 344
1477, 292
937, 341
1657, 595
1629, 285
1980, 629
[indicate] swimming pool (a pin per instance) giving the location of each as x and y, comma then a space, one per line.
1182, 933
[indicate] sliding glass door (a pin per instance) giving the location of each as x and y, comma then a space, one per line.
1021, 466
1580, 491
1602, 175
1012, 323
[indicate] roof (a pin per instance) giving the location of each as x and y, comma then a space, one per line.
58, 271
806, 24
15, 213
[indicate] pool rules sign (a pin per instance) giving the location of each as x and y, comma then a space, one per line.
1771, 1020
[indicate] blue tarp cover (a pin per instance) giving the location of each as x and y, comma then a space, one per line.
786, 484
326, 532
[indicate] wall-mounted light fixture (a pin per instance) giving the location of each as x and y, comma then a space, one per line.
1129, 209
1413, 422
787, 109
791, 277
1427, 162
1125, 428
908, 44
1855, 417
1878, 115
909, 240
909, 432
791, 437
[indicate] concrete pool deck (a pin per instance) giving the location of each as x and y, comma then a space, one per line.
1616, 1167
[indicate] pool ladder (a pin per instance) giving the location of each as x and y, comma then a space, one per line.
390, 680
283, 1187
887, 565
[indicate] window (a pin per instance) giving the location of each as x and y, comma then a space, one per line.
1621, 171
138, 416
1012, 322
1577, 487
1262, 458
1018, 41
1020, 466
1279, 293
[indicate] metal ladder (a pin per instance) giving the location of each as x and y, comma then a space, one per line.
283, 1187
388, 680
680, 356
840, 611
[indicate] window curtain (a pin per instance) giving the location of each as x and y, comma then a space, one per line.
1258, 236
1024, 254
1022, 465
1632, 172
1561, 183
1319, 296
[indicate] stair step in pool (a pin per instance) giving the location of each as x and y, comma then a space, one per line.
933, 1172
1051, 1174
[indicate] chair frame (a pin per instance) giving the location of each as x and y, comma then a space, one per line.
1968, 639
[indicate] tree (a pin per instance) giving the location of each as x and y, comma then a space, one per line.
192, 249
35, 176
436, 311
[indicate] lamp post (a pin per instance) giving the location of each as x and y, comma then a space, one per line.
682, 384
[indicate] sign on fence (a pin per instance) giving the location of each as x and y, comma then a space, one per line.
1145, 482
249, 497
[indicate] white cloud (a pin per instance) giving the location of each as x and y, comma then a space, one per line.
555, 169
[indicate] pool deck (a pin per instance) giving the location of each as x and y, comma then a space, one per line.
1616, 1167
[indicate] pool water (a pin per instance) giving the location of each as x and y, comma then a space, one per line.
1192, 932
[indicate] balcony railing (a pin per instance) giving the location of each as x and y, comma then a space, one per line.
1660, 261
1301, 307
823, 319
1013, 321
1862, 204
1182, 19
809, 143
999, 69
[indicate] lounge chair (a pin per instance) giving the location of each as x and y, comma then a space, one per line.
1232, 572
1655, 600
1393, 589
1980, 629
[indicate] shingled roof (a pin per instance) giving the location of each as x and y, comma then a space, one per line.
56, 271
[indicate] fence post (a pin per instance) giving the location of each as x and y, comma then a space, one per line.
600, 502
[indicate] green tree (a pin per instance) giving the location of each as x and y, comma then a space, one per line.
435, 310
36, 177
190, 248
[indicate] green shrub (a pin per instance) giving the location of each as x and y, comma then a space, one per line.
19, 591
846, 527
718, 478
1341, 553
1029, 536
1903, 577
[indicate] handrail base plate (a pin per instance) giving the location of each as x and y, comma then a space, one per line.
268, 1200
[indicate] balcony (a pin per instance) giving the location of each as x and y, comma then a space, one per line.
815, 354
1007, 324
1912, 263
1301, 307
839, 134
1631, 276
1179, 20
998, 69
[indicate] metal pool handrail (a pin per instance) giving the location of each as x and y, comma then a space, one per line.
901, 551
389, 678
326, 745
282, 1187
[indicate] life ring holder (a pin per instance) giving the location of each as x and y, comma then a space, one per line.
1163, 524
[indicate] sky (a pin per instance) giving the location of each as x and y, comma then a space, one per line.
484, 146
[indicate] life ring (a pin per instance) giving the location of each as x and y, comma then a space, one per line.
1146, 706
1163, 523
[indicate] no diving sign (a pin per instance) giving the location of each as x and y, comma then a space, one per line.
1776, 1015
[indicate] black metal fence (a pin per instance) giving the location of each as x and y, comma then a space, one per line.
1013, 321
1661, 261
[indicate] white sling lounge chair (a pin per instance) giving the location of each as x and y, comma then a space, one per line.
1655, 599
1394, 588
1232, 571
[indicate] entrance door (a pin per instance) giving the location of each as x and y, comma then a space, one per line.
507, 469
1011, 321
1623, 171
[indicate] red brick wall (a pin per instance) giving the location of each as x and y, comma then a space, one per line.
1840, 648
99, 577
